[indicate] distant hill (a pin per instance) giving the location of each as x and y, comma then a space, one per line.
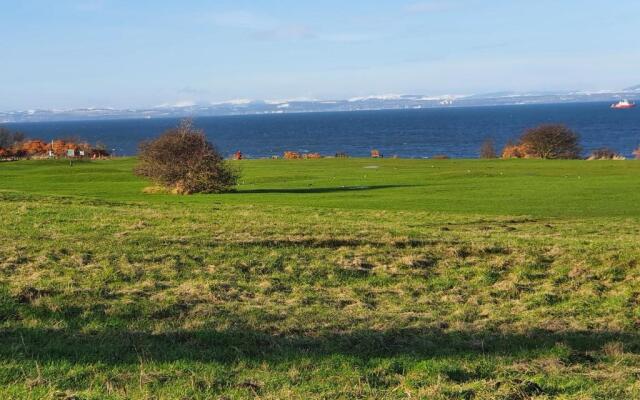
372, 102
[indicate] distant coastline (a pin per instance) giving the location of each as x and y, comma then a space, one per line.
295, 106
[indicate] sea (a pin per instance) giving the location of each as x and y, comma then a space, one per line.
415, 133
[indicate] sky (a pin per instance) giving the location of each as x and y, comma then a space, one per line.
131, 54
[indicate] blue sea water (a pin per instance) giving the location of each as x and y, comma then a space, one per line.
455, 132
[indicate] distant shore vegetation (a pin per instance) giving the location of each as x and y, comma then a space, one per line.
552, 141
16, 146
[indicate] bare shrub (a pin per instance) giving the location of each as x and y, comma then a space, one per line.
551, 141
182, 160
9, 138
605, 154
488, 149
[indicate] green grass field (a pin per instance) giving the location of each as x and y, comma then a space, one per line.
323, 279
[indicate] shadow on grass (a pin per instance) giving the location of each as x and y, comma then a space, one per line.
314, 190
337, 243
125, 347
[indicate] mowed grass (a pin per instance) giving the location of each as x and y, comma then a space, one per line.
500, 187
356, 278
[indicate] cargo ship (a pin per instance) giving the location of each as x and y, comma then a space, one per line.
623, 104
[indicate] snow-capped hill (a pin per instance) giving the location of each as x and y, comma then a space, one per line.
635, 88
376, 97
298, 105
233, 102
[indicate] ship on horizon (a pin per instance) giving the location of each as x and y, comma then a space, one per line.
623, 104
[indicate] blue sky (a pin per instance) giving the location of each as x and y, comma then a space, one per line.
77, 53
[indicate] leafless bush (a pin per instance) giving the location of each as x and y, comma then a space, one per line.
182, 160
551, 141
488, 149
605, 154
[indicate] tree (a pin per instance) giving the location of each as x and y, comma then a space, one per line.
182, 160
488, 149
550, 141
9, 139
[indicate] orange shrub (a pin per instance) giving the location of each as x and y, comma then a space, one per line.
58, 147
637, 153
312, 155
514, 151
35, 147
291, 155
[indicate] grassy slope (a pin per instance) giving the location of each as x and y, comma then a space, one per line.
323, 279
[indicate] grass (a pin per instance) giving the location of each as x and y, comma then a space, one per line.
356, 278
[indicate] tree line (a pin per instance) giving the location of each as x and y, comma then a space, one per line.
548, 141
15, 145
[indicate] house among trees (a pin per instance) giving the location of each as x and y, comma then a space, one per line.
17, 147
